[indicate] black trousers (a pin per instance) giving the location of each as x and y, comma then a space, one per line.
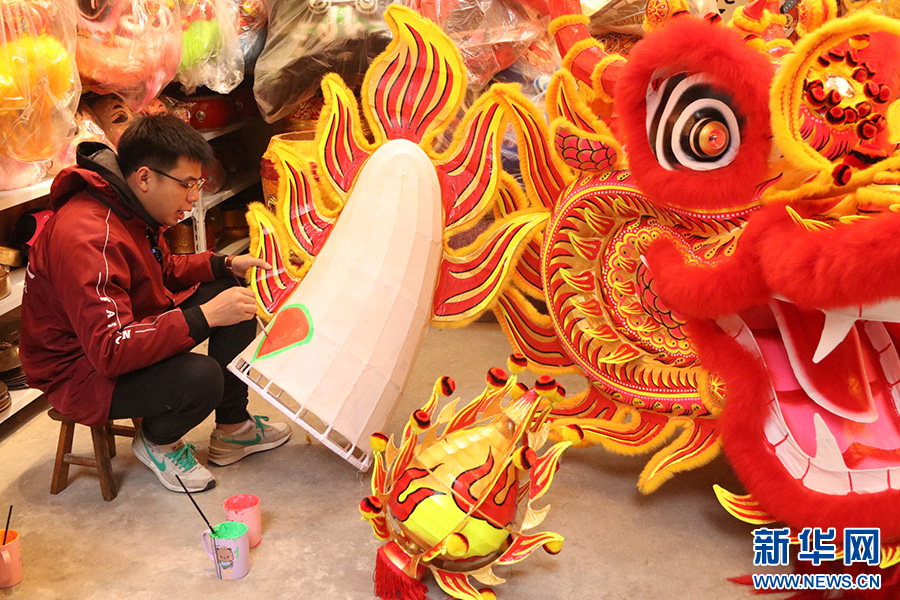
176, 394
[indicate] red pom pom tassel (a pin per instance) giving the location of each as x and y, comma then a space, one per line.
391, 582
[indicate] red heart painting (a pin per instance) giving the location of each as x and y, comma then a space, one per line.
292, 326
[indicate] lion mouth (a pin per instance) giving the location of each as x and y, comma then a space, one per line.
834, 381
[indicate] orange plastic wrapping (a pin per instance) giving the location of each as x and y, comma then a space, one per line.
490, 35
39, 86
128, 47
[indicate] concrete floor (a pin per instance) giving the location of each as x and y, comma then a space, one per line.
677, 544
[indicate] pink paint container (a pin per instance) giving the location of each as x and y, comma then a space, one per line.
245, 509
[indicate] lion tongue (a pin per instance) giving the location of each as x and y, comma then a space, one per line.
838, 382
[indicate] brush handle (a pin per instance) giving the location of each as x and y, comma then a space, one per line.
6, 530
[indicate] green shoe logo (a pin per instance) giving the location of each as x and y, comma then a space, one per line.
255, 440
159, 465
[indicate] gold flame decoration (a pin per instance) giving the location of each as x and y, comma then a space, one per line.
412, 91
457, 494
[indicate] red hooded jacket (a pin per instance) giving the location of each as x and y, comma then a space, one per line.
98, 302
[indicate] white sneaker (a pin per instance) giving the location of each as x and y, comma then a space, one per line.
178, 461
255, 436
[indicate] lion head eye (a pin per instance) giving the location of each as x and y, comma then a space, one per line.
709, 138
691, 125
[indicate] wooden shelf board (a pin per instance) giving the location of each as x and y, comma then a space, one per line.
20, 399
11, 198
235, 247
209, 135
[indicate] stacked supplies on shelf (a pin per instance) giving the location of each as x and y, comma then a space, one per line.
12, 375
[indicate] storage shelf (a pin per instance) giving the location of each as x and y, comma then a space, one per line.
235, 185
20, 399
11, 198
235, 247
209, 135
14, 300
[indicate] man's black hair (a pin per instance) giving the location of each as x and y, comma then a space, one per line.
157, 141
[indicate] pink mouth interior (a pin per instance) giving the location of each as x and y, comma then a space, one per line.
849, 381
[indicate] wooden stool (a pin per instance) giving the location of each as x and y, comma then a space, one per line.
104, 449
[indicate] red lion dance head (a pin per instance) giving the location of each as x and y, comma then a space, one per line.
786, 151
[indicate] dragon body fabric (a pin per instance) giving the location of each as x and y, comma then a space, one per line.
715, 254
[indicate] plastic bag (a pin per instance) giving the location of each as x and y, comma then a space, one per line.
113, 115
253, 18
15, 175
627, 16
128, 47
490, 34
211, 54
39, 87
533, 70
309, 39
87, 129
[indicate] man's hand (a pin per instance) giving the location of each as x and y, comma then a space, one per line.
242, 263
232, 306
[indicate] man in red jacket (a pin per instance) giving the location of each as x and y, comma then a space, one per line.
109, 315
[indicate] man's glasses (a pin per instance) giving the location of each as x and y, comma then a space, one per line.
192, 186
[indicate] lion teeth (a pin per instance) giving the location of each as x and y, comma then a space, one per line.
886, 311
828, 453
869, 481
837, 326
839, 321
807, 380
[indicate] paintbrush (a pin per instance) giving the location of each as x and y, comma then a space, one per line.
194, 502
6, 531
211, 530
258, 318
